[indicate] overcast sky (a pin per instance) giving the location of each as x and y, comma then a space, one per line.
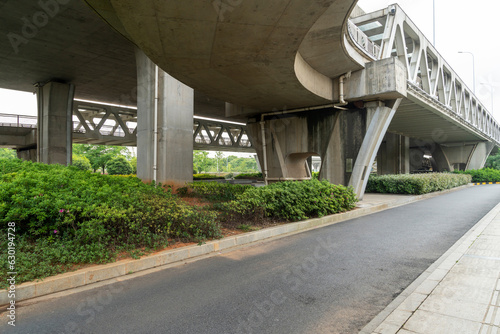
460, 26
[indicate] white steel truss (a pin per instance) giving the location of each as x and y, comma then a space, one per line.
428, 73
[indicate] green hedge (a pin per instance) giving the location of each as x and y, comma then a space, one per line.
248, 176
87, 217
207, 176
415, 184
482, 175
293, 200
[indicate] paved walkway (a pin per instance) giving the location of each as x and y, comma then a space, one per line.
459, 293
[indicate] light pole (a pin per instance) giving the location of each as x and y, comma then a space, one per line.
473, 70
434, 23
491, 93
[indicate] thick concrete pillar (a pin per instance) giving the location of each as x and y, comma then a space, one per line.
55, 123
394, 155
289, 140
27, 153
479, 155
344, 145
164, 126
460, 156
379, 117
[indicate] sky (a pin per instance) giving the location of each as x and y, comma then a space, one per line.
461, 25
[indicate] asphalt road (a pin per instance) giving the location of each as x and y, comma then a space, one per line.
329, 280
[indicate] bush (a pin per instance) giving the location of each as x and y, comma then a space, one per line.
81, 162
215, 191
248, 176
119, 166
133, 163
207, 177
293, 200
415, 184
482, 175
72, 211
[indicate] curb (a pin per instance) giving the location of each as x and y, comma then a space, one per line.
100, 273
483, 183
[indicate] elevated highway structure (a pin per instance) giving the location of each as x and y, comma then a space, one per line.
318, 78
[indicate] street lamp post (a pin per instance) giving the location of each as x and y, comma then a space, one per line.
473, 70
434, 23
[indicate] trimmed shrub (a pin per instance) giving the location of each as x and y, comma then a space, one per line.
482, 175
293, 201
415, 184
248, 176
207, 177
119, 166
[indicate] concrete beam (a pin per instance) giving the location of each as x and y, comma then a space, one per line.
384, 79
55, 124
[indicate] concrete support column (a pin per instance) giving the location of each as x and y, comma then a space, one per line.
379, 117
479, 155
164, 126
461, 156
27, 153
290, 140
347, 137
394, 155
55, 123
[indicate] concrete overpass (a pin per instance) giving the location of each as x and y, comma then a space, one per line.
309, 78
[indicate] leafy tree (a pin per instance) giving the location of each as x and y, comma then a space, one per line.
7, 153
81, 162
219, 160
133, 163
493, 161
119, 166
99, 155
201, 161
